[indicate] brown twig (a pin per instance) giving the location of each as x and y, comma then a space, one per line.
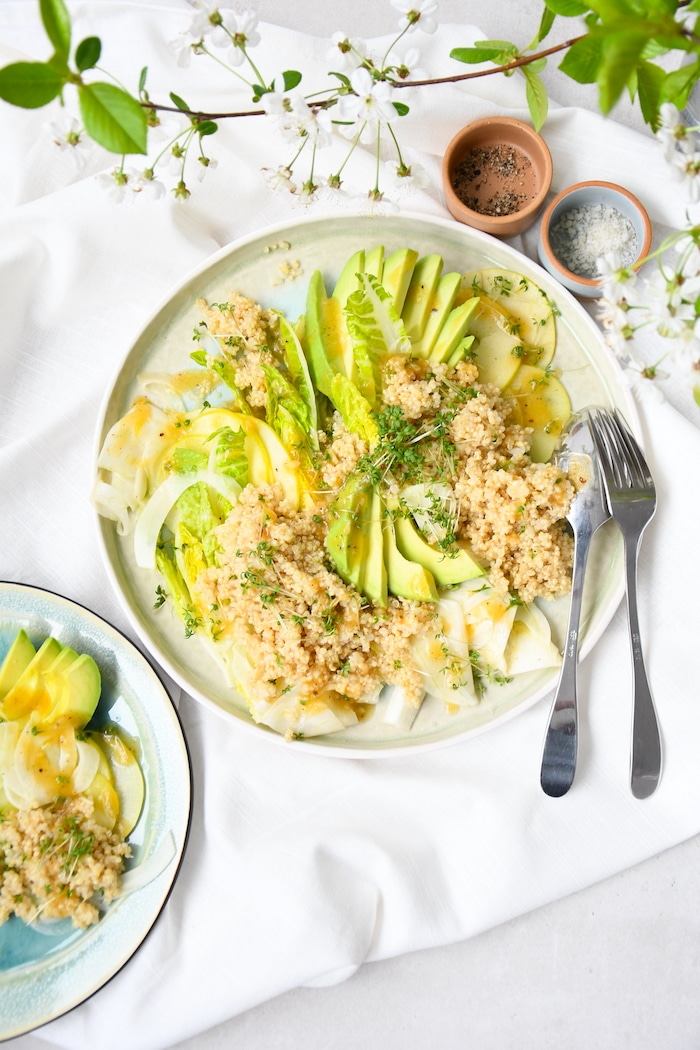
524, 60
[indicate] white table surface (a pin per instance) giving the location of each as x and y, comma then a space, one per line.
617, 965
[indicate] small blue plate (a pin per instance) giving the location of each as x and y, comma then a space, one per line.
48, 968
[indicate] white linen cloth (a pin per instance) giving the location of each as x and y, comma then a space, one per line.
300, 868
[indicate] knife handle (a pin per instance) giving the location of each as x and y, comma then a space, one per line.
561, 742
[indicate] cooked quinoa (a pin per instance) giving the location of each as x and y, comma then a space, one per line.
55, 859
303, 626
274, 588
247, 330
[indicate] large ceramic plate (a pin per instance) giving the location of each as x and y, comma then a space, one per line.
260, 267
46, 970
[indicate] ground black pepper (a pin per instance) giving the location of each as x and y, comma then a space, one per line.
495, 180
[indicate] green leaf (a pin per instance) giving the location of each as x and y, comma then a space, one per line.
401, 108
536, 95
621, 53
179, 102
142, 79
583, 59
113, 118
291, 78
614, 11
497, 45
207, 127
87, 53
56, 19
546, 23
677, 85
473, 55
30, 84
649, 82
568, 8
259, 91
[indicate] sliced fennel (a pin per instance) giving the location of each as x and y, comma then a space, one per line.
161, 502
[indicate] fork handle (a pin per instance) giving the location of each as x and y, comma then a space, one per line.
561, 741
645, 766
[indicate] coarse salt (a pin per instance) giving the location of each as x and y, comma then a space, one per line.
584, 234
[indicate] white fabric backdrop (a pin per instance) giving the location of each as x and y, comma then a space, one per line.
313, 865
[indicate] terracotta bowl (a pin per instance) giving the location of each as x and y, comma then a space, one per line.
520, 187
591, 195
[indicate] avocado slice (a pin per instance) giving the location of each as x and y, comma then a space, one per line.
373, 580
397, 273
17, 659
29, 692
447, 569
326, 337
359, 537
406, 579
344, 510
374, 262
74, 689
347, 282
419, 297
442, 302
463, 348
453, 330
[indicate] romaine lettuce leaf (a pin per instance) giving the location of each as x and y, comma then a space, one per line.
375, 327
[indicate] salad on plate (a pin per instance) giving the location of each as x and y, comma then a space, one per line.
355, 510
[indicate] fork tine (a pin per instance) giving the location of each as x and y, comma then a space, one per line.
604, 435
634, 451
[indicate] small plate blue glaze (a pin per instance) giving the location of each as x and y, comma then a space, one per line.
47, 969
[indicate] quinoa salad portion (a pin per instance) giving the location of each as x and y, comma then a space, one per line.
355, 510
70, 795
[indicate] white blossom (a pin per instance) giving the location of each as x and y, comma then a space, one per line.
277, 102
672, 133
184, 45
376, 203
147, 184
406, 65
616, 280
666, 310
686, 168
205, 165
280, 178
294, 117
210, 16
416, 13
121, 183
400, 175
245, 35
68, 136
686, 344
644, 383
371, 102
345, 53
314, 124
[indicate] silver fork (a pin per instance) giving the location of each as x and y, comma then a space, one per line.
632, 500
588, 511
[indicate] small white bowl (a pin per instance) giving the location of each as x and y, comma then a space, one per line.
585, 222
